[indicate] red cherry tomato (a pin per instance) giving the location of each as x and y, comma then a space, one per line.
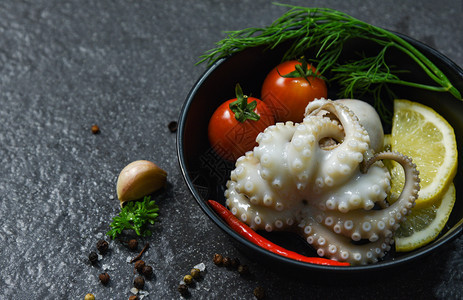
231, 138
288, 97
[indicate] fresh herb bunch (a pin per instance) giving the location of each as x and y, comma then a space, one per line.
327, 30
135, 215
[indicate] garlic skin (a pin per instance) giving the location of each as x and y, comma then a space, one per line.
138, 179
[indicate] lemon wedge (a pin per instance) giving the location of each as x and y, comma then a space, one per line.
424, 224
422, 134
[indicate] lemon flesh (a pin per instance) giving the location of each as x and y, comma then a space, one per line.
423, 225
425, 136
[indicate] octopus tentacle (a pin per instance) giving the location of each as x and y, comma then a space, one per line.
340, 248
344, 159
376, 225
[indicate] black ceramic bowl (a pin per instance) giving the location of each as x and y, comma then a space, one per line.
206, 174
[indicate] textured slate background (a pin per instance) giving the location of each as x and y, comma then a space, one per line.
128, 66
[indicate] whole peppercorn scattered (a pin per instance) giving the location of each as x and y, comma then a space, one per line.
183, 289
139, 265
195, 273
226, 262
139, 282
95, 129
188, 279
134, 297
102, 246
104, 278
89, 297
93, 257
147, 271
173, 126
218, 259
133, 244
243, 269
259, 292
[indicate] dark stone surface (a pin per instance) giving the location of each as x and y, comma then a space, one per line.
128, 66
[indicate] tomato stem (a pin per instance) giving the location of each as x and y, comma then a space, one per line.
302, 70
249, 234
241, 108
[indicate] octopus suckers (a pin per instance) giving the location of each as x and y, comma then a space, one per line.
234, 211
297, 164
268, 227
366, 226
321, 241
257, 220
266, 160
373, 238
329, 181
332, 249
356, 236
244, 217
329, 221
349, 224
380, 225
344, 255
278, 224
330, 204
319, 182
307, 229
268, 200
249, 186
310, 240
343, 208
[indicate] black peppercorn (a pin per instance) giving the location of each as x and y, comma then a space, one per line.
104, 278
259, 292
102, 246
133, 244
243, 269
218, 259
139, 282
147, 271
226, 262
183, 289
173, 126
139, 265
93, 257
195, 273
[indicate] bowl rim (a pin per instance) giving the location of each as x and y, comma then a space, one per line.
451, 234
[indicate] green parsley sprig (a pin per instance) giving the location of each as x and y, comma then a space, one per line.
326, 31
135, 215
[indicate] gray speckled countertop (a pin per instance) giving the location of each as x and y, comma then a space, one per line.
128, 66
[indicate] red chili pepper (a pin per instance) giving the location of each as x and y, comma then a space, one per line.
249, 234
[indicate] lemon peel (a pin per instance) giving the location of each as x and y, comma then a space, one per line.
423, 225
422, 134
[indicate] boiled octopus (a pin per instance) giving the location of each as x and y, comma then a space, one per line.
324, 178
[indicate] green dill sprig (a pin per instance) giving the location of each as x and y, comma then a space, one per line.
327, 31
135, 215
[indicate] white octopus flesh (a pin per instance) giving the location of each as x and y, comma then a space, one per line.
325, 178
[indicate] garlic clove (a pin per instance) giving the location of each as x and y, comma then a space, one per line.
138, 179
